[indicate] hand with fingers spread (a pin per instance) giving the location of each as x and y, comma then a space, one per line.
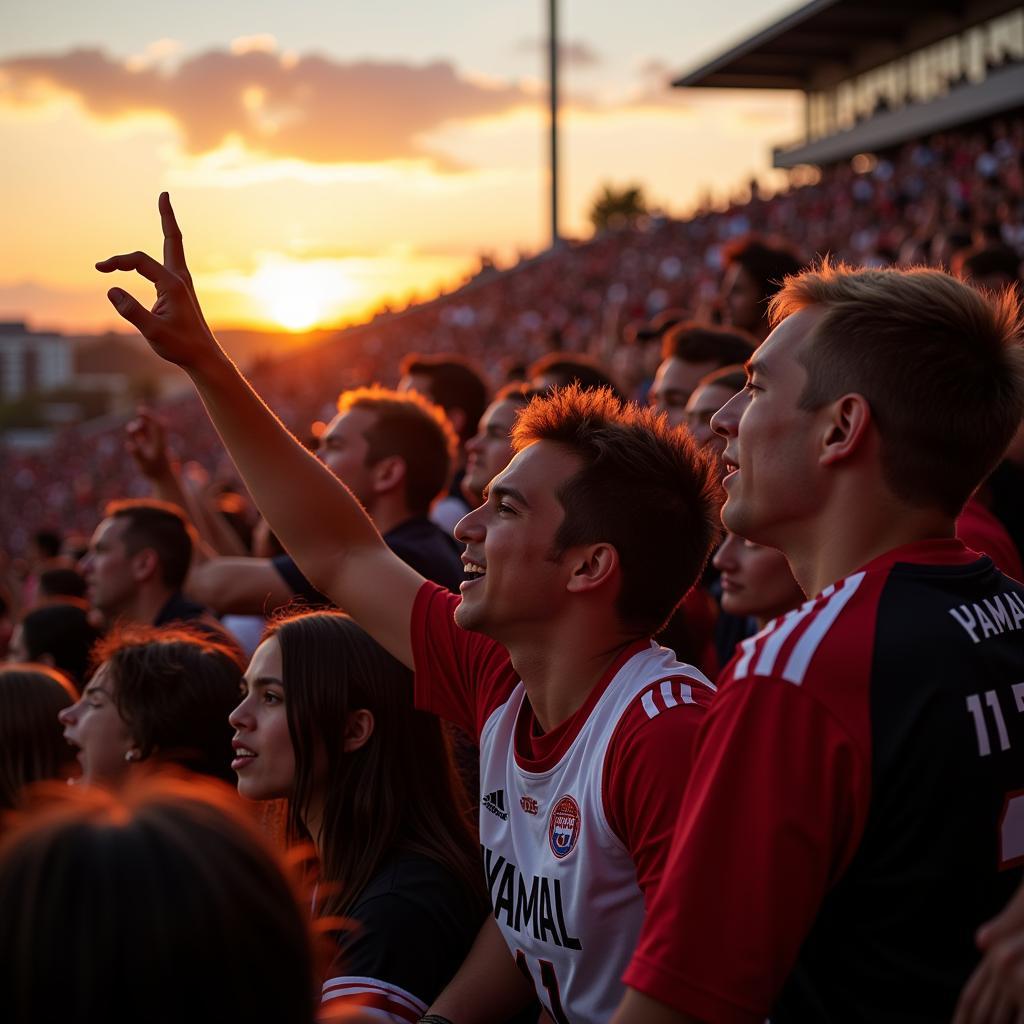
146, 442
174, 327
994, 994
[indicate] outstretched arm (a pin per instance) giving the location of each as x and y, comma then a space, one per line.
318, 521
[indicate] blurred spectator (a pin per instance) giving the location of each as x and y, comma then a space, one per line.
559, 369
756, 581
137, 562
62, 583
690, 351
161, 694
32, 748
993, 267
59, 635
393, 451
490, 451
754, 272
455, 385
710, 395
160, 904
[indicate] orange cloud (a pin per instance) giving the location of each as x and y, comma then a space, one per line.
310, 108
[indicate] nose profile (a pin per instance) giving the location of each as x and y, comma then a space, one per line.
725, 421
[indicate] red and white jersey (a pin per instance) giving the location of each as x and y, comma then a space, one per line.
563, 885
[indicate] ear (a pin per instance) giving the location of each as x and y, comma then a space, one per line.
593, 566
145, 565
847, 429
358, 729
388, 474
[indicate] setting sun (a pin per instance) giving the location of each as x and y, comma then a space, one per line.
298, 295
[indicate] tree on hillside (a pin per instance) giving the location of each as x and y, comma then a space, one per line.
615, 208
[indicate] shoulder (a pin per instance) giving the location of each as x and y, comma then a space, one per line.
806, 646
428, 549
657, 729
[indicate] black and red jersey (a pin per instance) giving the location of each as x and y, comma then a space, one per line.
856, 807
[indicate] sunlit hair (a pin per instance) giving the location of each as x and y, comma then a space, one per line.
941, 365
398, 793
174, 689
159, 904
407, 425
32, 745
643, 487
161, 526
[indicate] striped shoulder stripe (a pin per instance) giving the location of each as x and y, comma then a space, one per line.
823, 620
760, 655
378, 999
668, 693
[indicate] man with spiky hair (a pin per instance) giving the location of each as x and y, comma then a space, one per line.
583, 546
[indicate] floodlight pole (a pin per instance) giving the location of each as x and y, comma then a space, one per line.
553, 100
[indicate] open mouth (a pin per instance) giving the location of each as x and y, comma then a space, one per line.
243, 757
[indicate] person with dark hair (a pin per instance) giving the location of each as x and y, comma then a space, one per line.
326, 723
160, 694
394, 451
46, 545
32, 748
59, 635
710, 394
587, 541
856, 787
159, 904
754, 272
560, 369
490, 450
993, 267
62, 582
458, 387
138, 560
641, 349
691, 351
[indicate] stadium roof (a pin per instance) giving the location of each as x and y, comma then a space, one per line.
825, 41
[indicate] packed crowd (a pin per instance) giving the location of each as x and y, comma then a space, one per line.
649, 649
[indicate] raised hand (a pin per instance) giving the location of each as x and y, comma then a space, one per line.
174, 327
146, 442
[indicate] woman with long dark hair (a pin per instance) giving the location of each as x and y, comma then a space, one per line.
327, 722
32, 748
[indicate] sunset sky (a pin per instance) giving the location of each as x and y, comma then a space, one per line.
325, 157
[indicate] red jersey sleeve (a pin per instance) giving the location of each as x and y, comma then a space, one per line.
775, 808
459, 675
646, 773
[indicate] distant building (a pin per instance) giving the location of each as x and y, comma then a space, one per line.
31, 362
876, 74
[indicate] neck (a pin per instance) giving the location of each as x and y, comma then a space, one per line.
560, 673
388, 512
145, 606
838, 544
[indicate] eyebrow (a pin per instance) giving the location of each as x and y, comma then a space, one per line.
96, 689
504, 491
261, 682
753, 366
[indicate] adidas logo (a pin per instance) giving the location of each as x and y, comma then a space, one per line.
495, 803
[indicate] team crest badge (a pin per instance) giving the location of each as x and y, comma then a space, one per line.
564, 827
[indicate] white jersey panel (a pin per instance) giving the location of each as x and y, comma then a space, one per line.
563, 887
